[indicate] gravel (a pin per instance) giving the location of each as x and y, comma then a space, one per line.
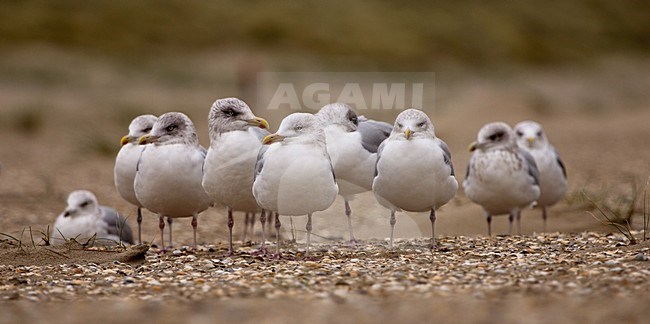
584, 264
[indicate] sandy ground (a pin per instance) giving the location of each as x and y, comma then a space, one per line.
596, 116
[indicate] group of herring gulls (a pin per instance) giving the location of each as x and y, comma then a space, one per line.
300, 169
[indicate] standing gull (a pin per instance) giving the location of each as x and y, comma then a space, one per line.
501, 176
293, 173
169, 173
84, 219
127, 160
552, 174
235, 139
414, 169
352, 144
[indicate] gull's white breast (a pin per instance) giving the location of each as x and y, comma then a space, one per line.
80, 227
295, 180
413, 176
229, 170
499, 181
168, 180
124, 172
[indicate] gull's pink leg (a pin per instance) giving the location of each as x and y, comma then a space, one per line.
161, 226
392, 228
308, 228
139, 219
277, 235
348, 213
231, 222
195, 224
432, 218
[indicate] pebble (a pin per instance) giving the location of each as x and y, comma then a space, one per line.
641, 257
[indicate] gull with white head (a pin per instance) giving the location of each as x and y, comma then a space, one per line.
235, 139
414, 170
84, 219
501, 177
352, 143
169, 173
127, 160
293, 173
552, 174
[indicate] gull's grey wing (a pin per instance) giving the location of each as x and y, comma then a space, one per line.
379, 150
204, 153
469, 165
373, 133
447, 155
559, 162
260, 133
117, 224
532, 166
259, 164
331, 166
137, 166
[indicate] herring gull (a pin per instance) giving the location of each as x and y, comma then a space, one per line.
293, 173
169, 172
414, 170
352, 143
127, 160
235, 139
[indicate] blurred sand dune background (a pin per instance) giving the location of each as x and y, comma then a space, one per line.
74, 73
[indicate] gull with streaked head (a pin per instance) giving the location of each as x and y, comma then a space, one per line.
352, 143
235, 139
169, 172
501, 177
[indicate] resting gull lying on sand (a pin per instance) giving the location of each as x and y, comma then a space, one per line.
84, 219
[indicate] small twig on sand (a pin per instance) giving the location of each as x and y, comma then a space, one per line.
57, 253
31, 236
321, 236
646, 216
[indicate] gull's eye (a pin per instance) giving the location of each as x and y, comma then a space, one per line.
298, 128
520, 134
229, 112
84, 204
420, 125
495, 136
539, 134
352, 117
170, 128
399, 125
146, 130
